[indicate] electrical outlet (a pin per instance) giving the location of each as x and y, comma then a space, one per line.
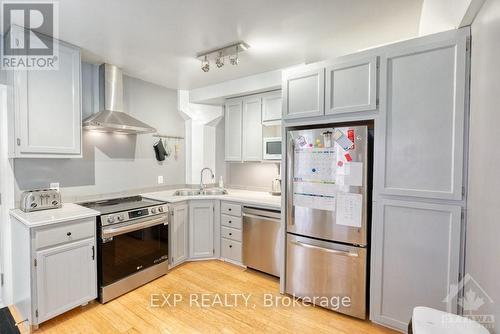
160, 179
54, 185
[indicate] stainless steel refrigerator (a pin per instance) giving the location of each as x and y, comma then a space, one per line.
327, 217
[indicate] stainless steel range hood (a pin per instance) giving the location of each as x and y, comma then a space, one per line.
111, 117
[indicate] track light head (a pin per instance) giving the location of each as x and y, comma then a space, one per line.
219, 61
205, 65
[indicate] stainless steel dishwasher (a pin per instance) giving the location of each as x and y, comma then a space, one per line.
262, 239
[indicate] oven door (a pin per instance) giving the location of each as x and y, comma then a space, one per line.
272, 148
132, 246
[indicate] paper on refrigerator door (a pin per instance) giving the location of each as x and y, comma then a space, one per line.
314, 202
315, 188
350, 174
315, 165
349, 209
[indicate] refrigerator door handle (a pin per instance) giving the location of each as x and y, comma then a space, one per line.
328, 250
290, 152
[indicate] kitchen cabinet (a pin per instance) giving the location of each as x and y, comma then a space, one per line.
419, 176
179, 239
252, 129
55, 268
66, 277
47, 116
271, 106
233, 130
201, 229
416, 252
231, 232
304, 92
351, 86
423, 99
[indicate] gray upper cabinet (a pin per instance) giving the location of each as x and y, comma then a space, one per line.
416, 255
351, 86
303, 92
252, 129
423, 105
233, 127
47, 105
271, 106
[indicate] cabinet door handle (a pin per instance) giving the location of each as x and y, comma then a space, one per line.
230, 222
230, 246
93, 252
229, 209
230, 234
68, 234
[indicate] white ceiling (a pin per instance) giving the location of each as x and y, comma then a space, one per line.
156, 40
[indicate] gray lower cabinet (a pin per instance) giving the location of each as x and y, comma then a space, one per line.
54, 268
415, 259
66, 277
201, 229
231, 232
179, 234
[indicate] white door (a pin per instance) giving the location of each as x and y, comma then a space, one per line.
415, 261
252, 129
66, 277
271, 106
423, 105
201, 229
233, 122
49, 108
179, 234
351, 86
304, 92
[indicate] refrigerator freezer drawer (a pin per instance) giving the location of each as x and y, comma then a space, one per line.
326, 272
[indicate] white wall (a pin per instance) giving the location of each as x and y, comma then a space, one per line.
483, 222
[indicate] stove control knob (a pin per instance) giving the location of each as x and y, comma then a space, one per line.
120, 218
111, 219
153, 210
160, 208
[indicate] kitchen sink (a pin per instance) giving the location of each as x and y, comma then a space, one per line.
198, 192
187, 192
214, 191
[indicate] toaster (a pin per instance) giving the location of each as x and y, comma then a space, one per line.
40, 199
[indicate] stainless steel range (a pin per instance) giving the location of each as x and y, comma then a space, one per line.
132, 243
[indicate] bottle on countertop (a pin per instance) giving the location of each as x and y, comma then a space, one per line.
221, 183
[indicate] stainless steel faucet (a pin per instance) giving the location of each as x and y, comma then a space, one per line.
202, 186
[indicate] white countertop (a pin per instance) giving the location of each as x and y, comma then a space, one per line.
69, 211
257, 198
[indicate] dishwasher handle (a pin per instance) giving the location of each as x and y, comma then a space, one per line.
261, 217
261, 213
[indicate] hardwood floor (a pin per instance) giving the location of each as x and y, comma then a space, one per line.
134, 313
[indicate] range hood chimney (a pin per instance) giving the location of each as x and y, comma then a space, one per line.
111, 117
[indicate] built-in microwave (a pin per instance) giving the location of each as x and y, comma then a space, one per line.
272, 148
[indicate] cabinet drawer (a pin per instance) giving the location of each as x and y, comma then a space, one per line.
231, 233
230, 209
231, 250
77, 230
230, 221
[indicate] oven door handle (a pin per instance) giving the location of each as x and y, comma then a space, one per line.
114, 231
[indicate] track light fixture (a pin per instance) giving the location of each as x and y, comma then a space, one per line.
230, 51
